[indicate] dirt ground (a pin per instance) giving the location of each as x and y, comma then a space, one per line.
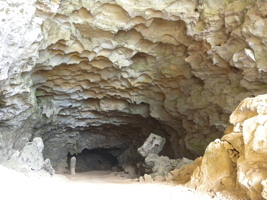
91, 185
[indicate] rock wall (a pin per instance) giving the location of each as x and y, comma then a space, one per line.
106, 74
236, 163
21, 36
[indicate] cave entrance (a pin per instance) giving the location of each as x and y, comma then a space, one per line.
93, 160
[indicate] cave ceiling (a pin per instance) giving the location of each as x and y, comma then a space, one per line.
112, 72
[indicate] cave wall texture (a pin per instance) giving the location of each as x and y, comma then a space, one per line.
106, 74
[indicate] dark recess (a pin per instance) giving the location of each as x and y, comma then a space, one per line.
93, 159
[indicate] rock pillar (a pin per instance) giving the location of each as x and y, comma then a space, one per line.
72, 165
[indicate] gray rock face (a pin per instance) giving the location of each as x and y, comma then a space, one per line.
30, 158
153, 145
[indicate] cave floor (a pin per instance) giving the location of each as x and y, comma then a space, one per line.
104, 177
89, 185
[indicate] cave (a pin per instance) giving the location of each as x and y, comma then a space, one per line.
98, 77
94, 159
120, 140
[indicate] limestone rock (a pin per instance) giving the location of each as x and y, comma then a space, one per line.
237, 161
160, 164
165, 169
153, 145
30, 158
106, 74
183, 174
216, 171
264, 191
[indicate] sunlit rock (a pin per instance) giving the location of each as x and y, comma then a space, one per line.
238, 161
106, 74
30, 158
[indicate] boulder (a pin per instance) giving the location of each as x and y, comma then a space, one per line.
182, 174
160, 164
153, 145
237, 162
30, 158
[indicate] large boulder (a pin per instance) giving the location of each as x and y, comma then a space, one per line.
160, 164
155, 165
237, 162
153, 145
30, 158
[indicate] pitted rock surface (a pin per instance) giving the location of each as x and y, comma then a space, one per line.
106, 74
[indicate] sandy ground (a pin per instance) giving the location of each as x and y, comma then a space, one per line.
92, 185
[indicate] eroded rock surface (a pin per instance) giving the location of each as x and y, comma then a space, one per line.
30, 158
237, 161
97, 74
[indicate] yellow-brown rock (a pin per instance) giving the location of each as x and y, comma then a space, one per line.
238, 160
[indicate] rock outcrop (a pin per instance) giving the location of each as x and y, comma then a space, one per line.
237, 162
30, 159
154, 165
106, 74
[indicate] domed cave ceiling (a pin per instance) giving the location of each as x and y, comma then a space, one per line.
106, 74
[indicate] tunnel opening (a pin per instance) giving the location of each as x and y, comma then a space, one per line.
98, 159
115, 144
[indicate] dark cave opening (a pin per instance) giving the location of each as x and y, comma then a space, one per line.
119, 141
93, 160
